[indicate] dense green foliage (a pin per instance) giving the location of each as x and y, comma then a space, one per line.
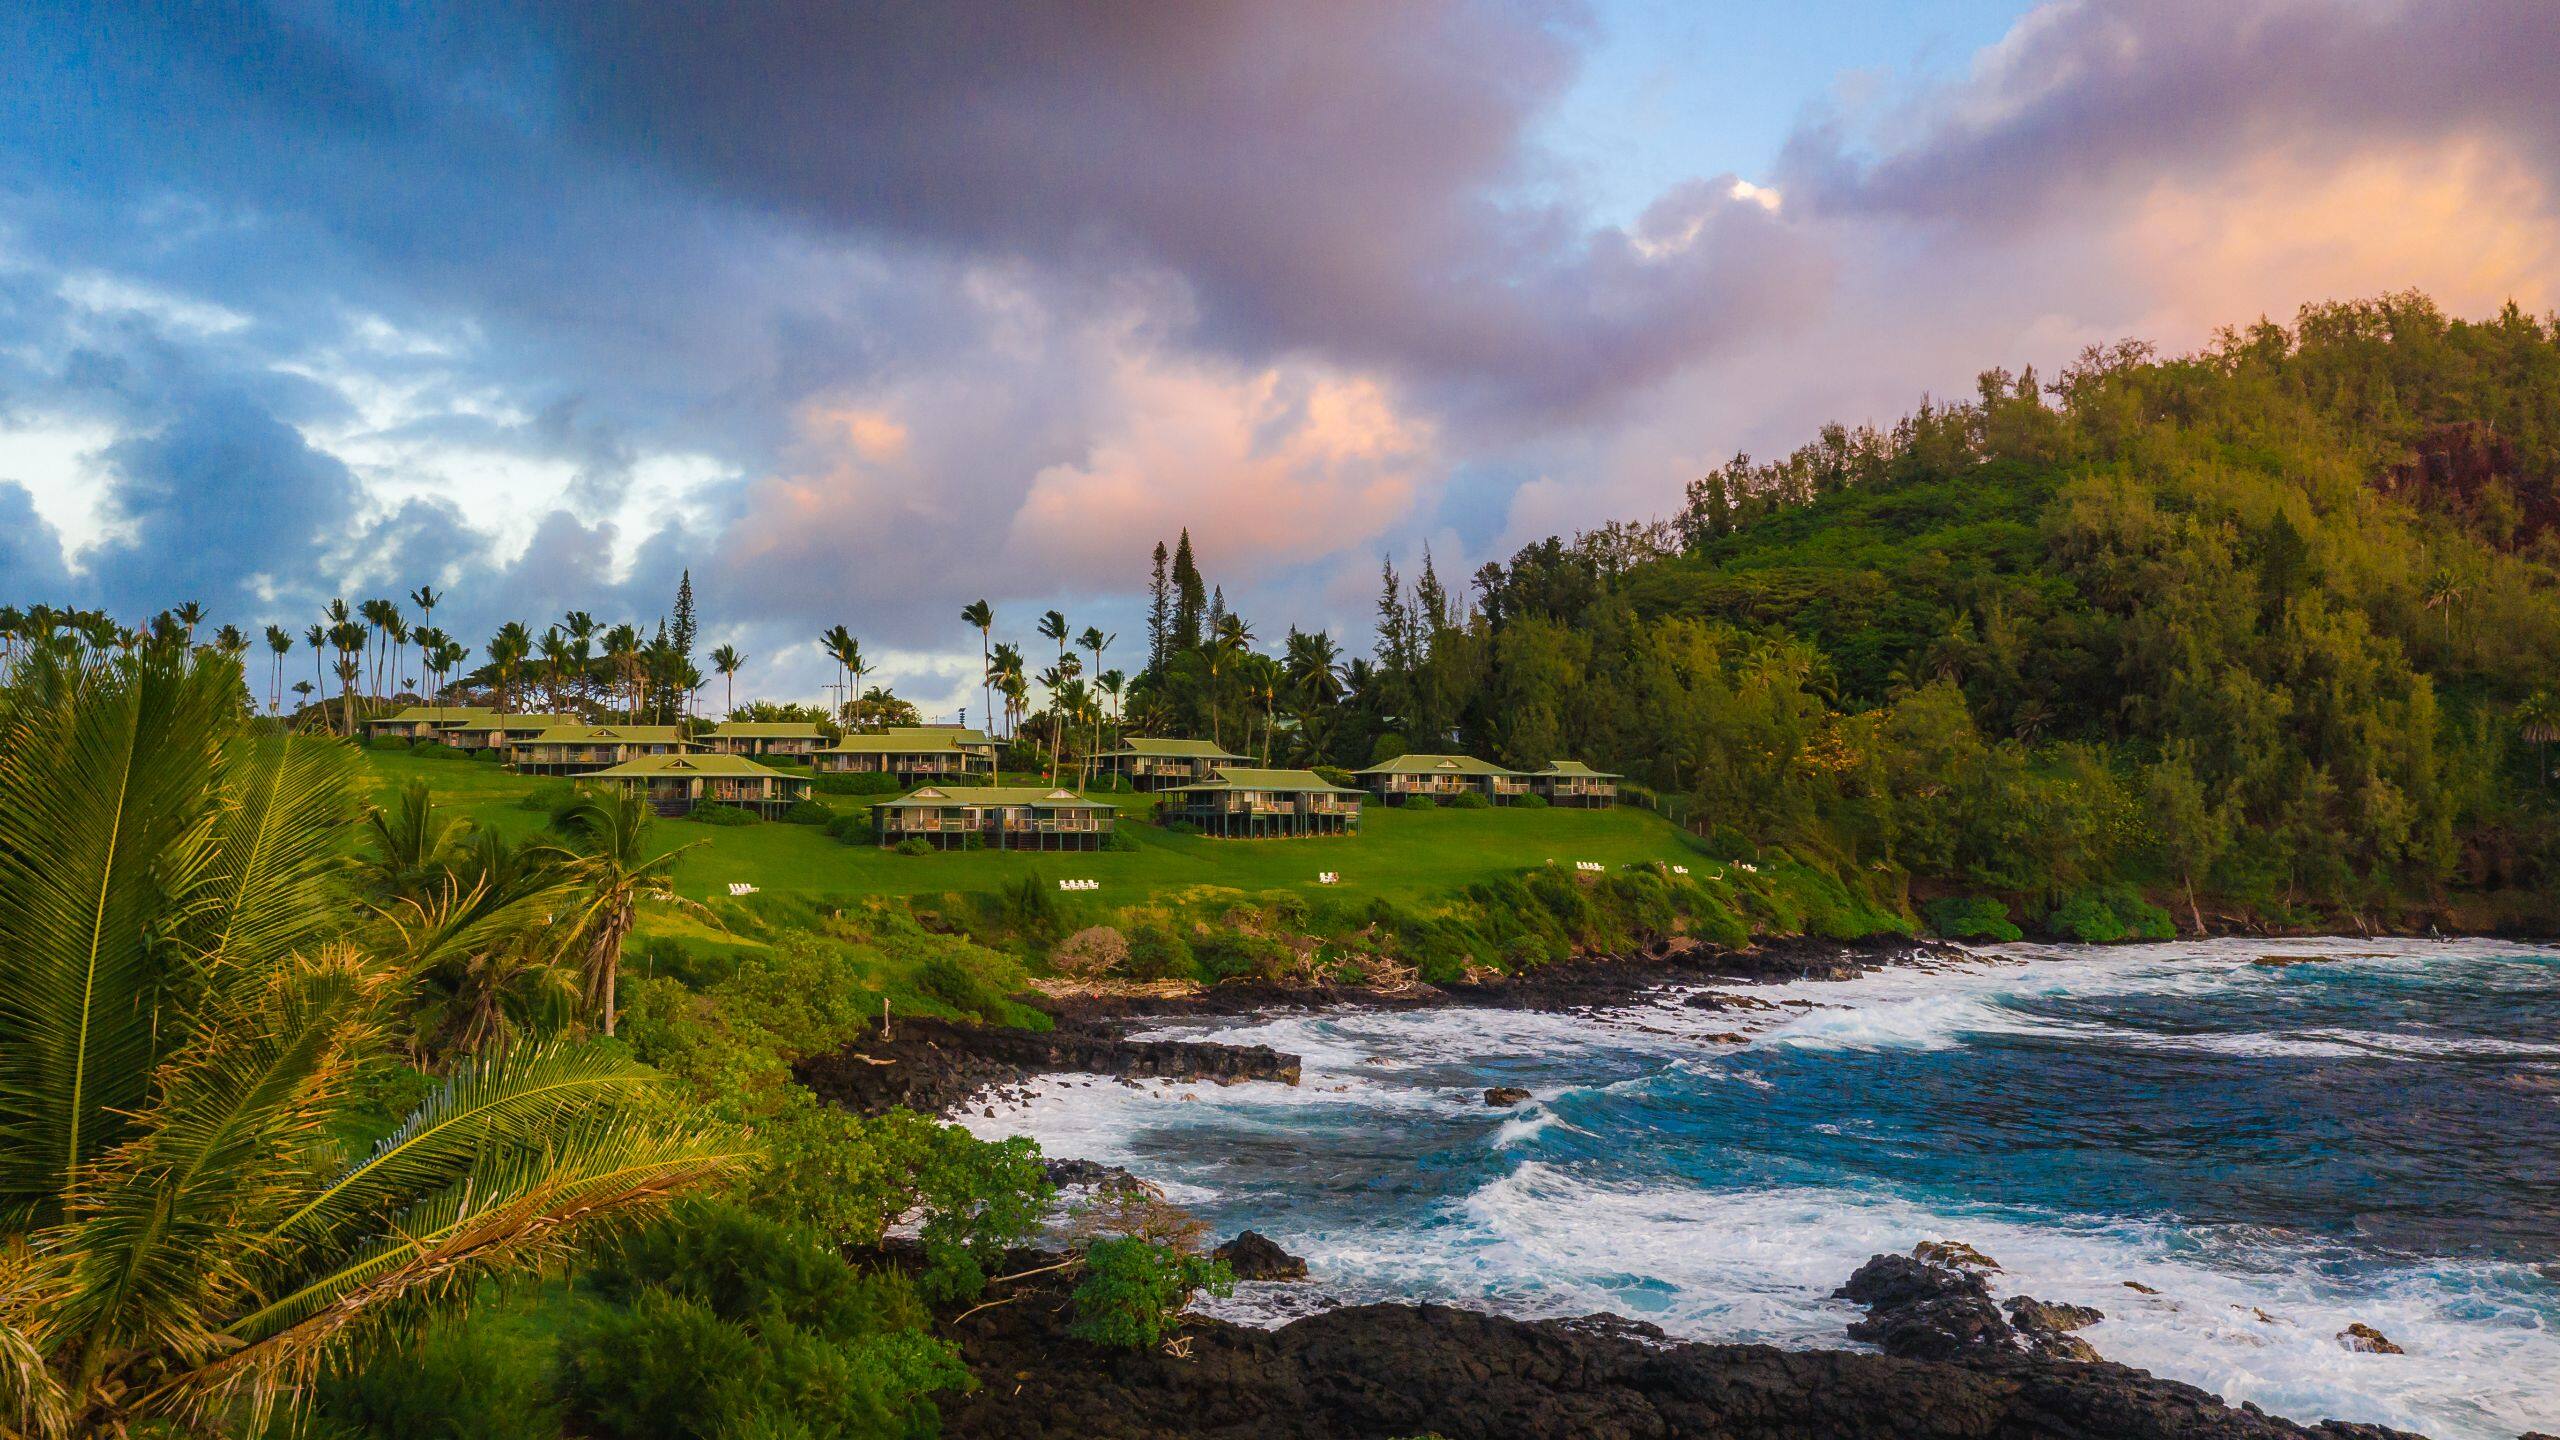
1133, 1288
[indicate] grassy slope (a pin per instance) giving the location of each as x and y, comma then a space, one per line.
1399, 853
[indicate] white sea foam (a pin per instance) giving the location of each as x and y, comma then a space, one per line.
2482, 1340
1761, 1265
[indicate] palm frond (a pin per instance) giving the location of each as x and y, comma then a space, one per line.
496, 1102
106, 808
159, 1224
523, 1208
33, 1401
275, 848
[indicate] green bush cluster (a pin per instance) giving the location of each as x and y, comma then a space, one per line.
1420, 802
1467, 800
1529, 802
1157, 953
807, 812
731, 1323
438, 750
711, 812
1133, 1292
2107, 915
1337, 775
914, 845
1971, 917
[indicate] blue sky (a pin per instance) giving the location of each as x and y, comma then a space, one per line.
862, 311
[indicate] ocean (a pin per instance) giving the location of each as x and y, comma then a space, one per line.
2273, 1138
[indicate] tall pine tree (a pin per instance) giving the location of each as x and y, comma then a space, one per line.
1159, 614
1190, 596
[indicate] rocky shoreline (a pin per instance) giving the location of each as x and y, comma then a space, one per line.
1366, 1371
1954, 1363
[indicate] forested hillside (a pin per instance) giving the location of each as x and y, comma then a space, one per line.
2272, 626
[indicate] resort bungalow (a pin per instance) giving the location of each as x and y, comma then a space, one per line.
1244, 803
1014, 818
1438, 777
912, 753
585, 749
1163, 764
1575, 785
798, 739
423, 722
496, 731
675, 784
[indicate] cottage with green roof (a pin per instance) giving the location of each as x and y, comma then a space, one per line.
798, 739
422, 722
496, 730
1438, 777
585, 749
1574, 785
1246, 803
912, 753
1000, 818
1152, 764
677, 784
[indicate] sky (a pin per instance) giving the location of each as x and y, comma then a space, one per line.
861, 311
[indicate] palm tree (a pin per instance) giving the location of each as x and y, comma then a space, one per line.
1112, 683
622, 657
1232, 638
191, 615
1004, 672
379, 614
426, 599
851, 658
183, 1029
279, 645
837, 644
399, 638
613, 875
318, 639
1094, 640
1315, 666
2538, 723
1053, 628
2443, 592
348, 638
728, 661
507, 650
979, 614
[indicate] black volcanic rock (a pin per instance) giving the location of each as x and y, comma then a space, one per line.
1253, 1255
1501, 1095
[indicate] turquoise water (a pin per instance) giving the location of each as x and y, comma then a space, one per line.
2274, 1149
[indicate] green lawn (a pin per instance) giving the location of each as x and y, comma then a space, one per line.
1398, 852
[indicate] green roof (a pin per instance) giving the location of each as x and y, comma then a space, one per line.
767, 730
1435, 765
990, 796
716, 766
428, 714
1181, 749
1240, 777
897, 742
607, 734
1576, 770
498, 720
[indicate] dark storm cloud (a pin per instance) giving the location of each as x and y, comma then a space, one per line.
2086, 99
223, 492
1336, 176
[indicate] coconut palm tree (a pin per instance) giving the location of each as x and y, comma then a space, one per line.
190, 614
507, 651
850, 657
728, 661
1004, 672
349, 639
279, 645
378, 614
612, 874
2538, 723
1053, 628
318, 639
1230, 639
622, 657
398, 636
183, 1027
836, 643
980, 616
2442, 592
426, 599
1095, 641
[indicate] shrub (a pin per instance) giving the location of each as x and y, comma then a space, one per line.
1122, 838
1181, 827
914, 845
387, 743
1467, 800
462, 1378
1420, 802
948, 979
437, 750
1091, 953
486, 752
807, 812
734, 1324
1528, 802
551, 797
1972, 917
1028, 907
845, 783
1336, 775
1236, 955
853, 827
1157, 953
711, 812
2087, 919
1133, 1291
